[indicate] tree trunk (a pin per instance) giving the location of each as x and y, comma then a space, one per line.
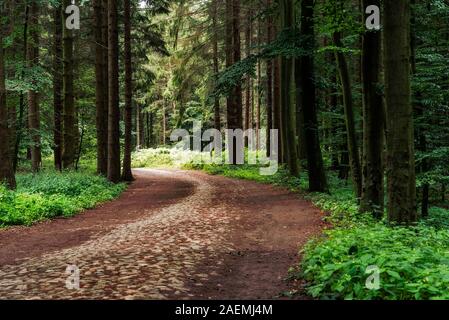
233, 55
57, 88
70, 130
100, 89
277, 104
20, 121
354, 157
217, 121
33, 96
269, 82
127, 173
400, 136
6, 166
373, 123
308, 104
114, 110
140, 127
288, 93
249, 87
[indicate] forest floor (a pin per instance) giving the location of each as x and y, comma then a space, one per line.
172, 235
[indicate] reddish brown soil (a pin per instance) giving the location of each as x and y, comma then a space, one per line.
270, 226
148, 192
275, 224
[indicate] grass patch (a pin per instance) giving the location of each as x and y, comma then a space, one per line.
51, 194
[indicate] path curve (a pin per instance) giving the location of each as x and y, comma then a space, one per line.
172, 235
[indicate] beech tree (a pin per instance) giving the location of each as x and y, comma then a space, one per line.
401, 181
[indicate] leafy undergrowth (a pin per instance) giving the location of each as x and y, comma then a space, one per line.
412, 262
51, 194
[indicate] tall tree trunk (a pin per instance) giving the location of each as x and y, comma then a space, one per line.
308, 104
288, 93
400, 136
114, 110
354, 157
373, 135
259, 86
70, 130
20, 121
100, 89
150, 127
249, 88
277, 103
233, 55
33, 96
419, 110
217, 121
127, 173
57, 87
140, 127
6, 166
269, 82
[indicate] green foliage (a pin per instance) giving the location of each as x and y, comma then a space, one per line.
413, 262
50, 194
152, 158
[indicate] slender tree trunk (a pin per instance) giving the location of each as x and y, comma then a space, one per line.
33, 96
127, 173
259, 86
140, 127
277, 104
400, 137
150, 125
233, 55
237, 57
373, 140
57, 87
419, 130
20, 121
114, 110
100, 89
269, 82
354, 157
70, 131
217, 121
308, 104
6, 166
248, 90
288, 94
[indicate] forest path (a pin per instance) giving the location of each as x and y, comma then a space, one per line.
173, 234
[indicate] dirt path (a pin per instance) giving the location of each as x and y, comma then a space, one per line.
172, 234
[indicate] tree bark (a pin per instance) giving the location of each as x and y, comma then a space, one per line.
114, 110
57, 88
70, 131
354, 156
308, 104
277, 104
100, 89
269, 82
20, 121
373, 123
233, 55
288, 93
127, 173
400, 137
33, 96
6, 165
217, 120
